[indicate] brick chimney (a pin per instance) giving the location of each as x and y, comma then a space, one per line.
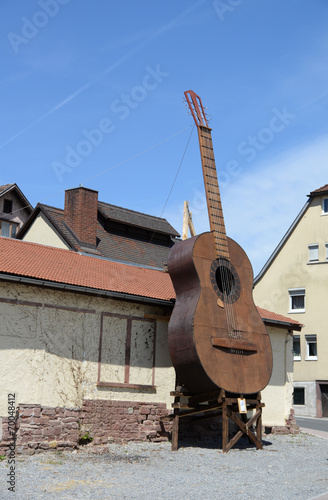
81, 210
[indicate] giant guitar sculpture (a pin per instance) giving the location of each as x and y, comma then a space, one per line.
216, 335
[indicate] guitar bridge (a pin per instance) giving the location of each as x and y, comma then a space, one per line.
237, 344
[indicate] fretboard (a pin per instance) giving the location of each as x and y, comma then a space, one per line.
213, 197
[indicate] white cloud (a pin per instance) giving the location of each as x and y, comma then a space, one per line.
262, 203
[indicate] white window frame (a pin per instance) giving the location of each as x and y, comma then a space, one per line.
324, 201
326, 247
313, 252
311, 339
293, 292
297, 357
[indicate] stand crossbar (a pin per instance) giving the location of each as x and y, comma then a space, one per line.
228, 406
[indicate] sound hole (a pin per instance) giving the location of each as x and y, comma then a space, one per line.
225, 280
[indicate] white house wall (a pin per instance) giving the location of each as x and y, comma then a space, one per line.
278, 395
41, 231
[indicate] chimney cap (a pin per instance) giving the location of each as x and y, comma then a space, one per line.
81, 187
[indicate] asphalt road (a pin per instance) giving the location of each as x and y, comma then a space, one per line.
318, 424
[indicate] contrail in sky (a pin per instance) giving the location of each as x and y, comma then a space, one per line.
116, 64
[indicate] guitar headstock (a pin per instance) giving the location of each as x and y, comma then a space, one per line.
196, 107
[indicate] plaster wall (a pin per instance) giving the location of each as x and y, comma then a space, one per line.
310, 398
41, 231
49, 349
278, 395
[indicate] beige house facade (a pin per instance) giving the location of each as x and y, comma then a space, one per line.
294, 282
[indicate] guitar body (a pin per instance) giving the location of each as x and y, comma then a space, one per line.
216, 335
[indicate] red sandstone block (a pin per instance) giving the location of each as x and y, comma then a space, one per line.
50, 437
26, 431
24, 439
71, 412
37, 434
70, 427
44, 445
66, 444
60, 412
32, 445
144, 410
39, 420
71, 437
56, 431
142, 436
50, 412
27, 412
68, 420
147, 423
54, 423
98, 440
37, 411
5, 442
151, 433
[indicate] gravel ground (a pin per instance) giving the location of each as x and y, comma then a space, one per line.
288, 467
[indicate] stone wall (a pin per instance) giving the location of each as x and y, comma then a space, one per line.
290, 427
119, 421
43, 428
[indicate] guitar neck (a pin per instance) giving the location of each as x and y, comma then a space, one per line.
213, 197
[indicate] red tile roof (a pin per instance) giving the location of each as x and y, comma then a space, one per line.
121, 247
319, 191
65, 266
269, 315
22, 258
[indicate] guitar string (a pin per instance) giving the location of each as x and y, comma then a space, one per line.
225, 273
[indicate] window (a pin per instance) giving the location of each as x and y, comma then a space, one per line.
127, 352
299, 396
297, 300
311, 347
326, 246
8, 229
297, 347
7, 206
313, 253
325, 206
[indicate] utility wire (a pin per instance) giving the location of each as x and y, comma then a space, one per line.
118, 165
176, 175
174, 180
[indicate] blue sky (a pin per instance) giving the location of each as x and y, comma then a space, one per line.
92, 94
